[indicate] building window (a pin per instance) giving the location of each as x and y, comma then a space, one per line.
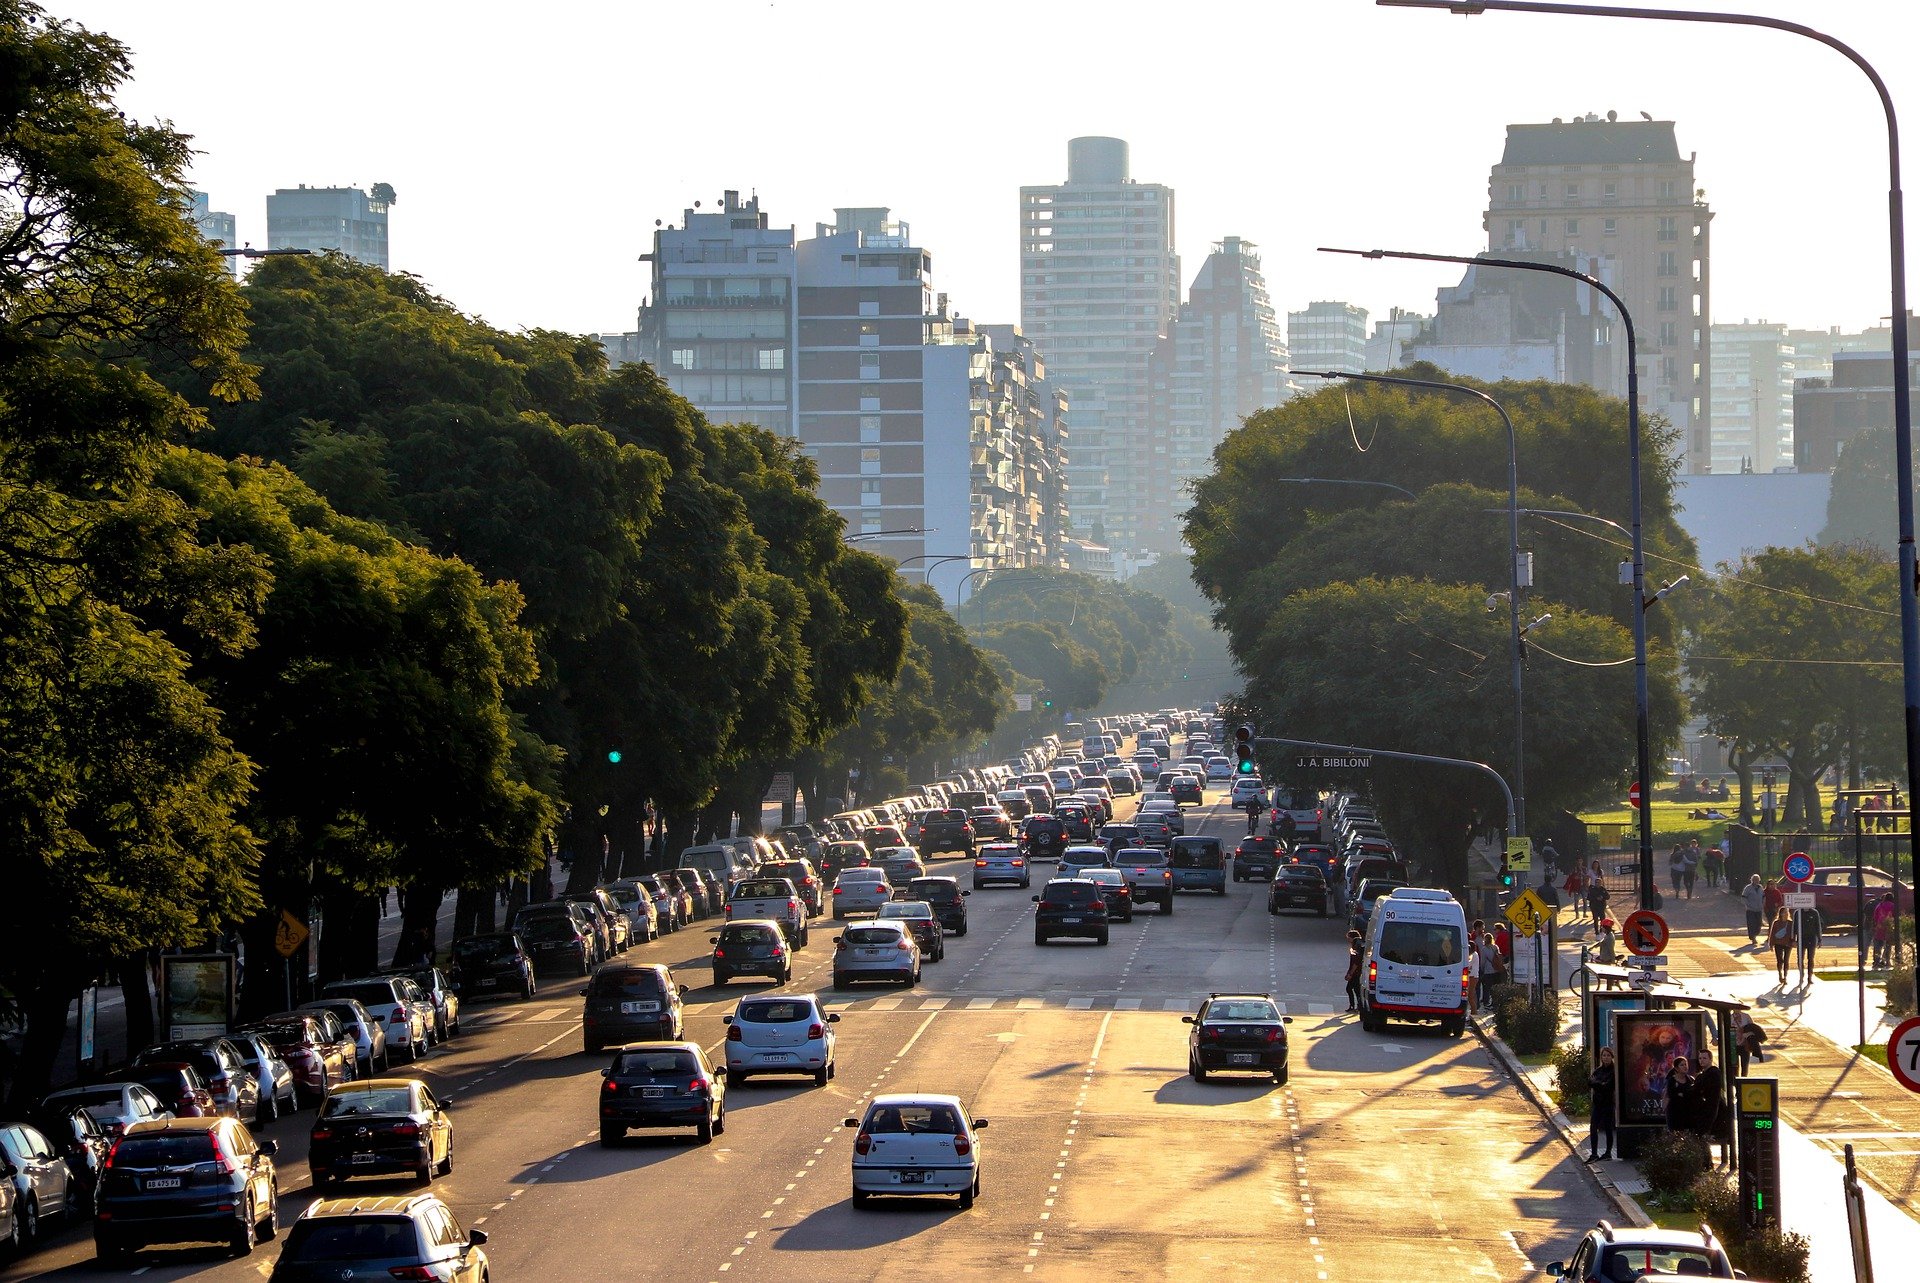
1669, 298
870, 523
870, 461
1608, 191
870, 492
1669, 263
1669, 229
1516, 193
1573, 227
869, 307
1609, 226
1543, 227
1669, 368
869, 371
1669, 190
1573, 191
869, 427
1669, 334
773, 358
870, 402
683, 357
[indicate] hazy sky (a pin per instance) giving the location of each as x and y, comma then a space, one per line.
533, 146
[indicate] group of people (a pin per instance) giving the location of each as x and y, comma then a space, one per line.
1791, 933
1689, 862
1695, 1095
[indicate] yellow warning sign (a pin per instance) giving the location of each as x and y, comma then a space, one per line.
1528, 913
1520, 855
289, 934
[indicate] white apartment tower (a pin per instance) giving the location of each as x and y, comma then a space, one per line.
1752, 399
1328, 336
1099, 284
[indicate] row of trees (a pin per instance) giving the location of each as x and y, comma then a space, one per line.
319, 586
1364, 618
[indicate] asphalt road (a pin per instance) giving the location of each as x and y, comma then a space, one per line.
1385, 1158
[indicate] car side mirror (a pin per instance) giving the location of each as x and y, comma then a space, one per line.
1286, 1020
966, 893
269, 1147
833, 1017
585, 990
713, 939
979, 1123
1036, 899
476, 1238
683, 991
607, 1072
839, 942
1186, 1020
1556, 1268
446, 1102
719, 1071
849, 1122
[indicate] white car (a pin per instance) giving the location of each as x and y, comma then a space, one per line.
1248, 788
115, 1106
1219, 768
911, 1144
784, 1033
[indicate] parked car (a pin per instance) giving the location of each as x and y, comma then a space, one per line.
495, 964
630, 1001
317, 1051
671, 906
406, 1237
877, 950
699, 897
1606, 1254
662, 1084
439, 992
379, 1127
752, 947
178, 1086
559, 940
637, 902
82, 1143
270, 1070
187, 1180
116, 1106
948, 900
914, 1144
369, 1035
397, 1003
1070, 907
1841, 890
610, 926
221, 1068
43, 1184
780, 1034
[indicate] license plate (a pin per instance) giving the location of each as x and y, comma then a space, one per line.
552, 945
163, 1182
485, 984
777, 1058
873, 953
651, 1093
911, 1178
638, 1008
1071, 922
1243, 1058
365, 1158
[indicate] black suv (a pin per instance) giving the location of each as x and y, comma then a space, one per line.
410, 1236
1070, 907
1241, 1032
186, 1180
948, 900
1043, 837
949, 830
1255, 857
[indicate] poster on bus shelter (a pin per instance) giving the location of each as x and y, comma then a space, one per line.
1646, 1043
196, 995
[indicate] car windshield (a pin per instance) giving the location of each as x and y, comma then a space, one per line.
1248, 1009
906, 909
1420, 944
352, 1238
656, 1063
374, 1100
936, 1120
483, 948
872, 935
166, 1149
774, 1012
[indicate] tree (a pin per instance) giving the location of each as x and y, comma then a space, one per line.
120, 793
1860, 500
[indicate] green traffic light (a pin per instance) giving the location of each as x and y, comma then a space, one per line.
1247, 766
1046, 703
613, 755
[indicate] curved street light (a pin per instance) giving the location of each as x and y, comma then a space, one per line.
1513, 567
1342, 481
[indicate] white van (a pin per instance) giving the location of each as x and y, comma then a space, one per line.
1416, 961
725, 860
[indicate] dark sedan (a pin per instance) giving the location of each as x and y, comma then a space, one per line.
948, 900
662, 1084
751, 947
490, 965
1239, 1032
1300, 886
379, 1127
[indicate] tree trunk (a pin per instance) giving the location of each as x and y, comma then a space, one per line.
350, 940
419, 924
45, 1009
681, 829
473, 911
136, 992
263, 985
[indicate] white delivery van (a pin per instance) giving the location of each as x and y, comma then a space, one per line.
725, 860
1416, 968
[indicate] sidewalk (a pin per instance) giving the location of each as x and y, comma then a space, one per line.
1829, 1097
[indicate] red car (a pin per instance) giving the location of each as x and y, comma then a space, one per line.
1839, 889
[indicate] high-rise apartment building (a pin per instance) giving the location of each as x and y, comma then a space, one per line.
1752, 397
1328, 336
1019, 444
1222, 359
332, 218
720, 323
1619, 194
1099, 283
218, 228
1857, 394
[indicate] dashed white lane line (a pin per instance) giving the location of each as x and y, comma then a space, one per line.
1066, 1144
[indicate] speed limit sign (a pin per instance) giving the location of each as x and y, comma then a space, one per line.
1903, 1054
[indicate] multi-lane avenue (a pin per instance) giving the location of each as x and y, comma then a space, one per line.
1385, 1157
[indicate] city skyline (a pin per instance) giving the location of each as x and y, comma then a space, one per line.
598, 138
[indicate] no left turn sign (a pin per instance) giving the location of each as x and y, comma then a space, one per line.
1903, 1054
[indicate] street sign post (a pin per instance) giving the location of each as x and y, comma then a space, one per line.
1633, 795
289, 934
1757, 1136
1797, 899
1528, 912
1645, 933
1903, 1053
1798, 867
1856, 1201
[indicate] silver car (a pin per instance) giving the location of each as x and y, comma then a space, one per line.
879, 950
784, 1033
1080, 856
860, 891
115, 1106
1001, 862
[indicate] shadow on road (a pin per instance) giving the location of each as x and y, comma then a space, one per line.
1238, 1090
838, 1228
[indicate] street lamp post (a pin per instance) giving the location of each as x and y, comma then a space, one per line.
1342, 481
1643, 739
1902, 392
886, 534
1519, 798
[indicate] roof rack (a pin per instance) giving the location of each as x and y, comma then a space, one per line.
1240, 994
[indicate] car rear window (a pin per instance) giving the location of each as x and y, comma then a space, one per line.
1420, 944
934, 892
871, 935
774, 1013
1204, 854
656, 1063
760, 890
744, 933
169, 1149
933, 1120
1249, 1009
352, 1238
482, 948
627, 982
547, 928
1071, 892
91, 1100
1142, 857
378, 1100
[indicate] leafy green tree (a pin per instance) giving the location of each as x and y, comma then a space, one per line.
1860, 500
120, 794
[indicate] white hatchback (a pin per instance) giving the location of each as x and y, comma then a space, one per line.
783, 1033
910, 1144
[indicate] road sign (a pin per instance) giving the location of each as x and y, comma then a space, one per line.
1645, 964
1903, 1054
1633, 795
1023, 703
1645, 933
289, 934
1797, 899
1798, 867
1520, 855
1528, 912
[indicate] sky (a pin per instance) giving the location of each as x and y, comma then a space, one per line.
532, 148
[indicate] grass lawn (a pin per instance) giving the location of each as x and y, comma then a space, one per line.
1666, 1220
1876, 1052
1850, 975
1670, 822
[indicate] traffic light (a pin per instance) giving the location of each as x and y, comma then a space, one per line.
1046, 699
613, 756
1243, 749
1506, 875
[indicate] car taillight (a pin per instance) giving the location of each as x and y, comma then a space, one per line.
1273, 1034
862, 1143
793, 906
1373, 972
838, 890
729, 912
422, 1273
1098, 904
322, 1133
1048, 904
1208, 1032
407, 1129
1017, 863
608, 1085
698, 1085
734, 1034
778, 951
226, 1159
113, 1153
816, 1030
962, 1146
1466, 982
904, 945
718, 952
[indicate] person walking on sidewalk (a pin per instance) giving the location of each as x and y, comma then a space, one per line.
1690, 865
1597, 895
1600, 1108
1353, 970
1883, 914
1710, 1107
1576, 888
1748, 1038
1780, 936
1808, 928
1677, 867
1754, 897
1773, 899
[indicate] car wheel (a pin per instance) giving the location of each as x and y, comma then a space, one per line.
1166, 907
1101, 938
424, 1172
839, 981
961, 929
26, 1224
705, 1131
267, 1110
1197, 1070
270, 1223
611, 1134
446, 1164
720, 1123
589, 1046
106, 1248
1280, 1076
1221, 889
720, 977
967, 1196
820, 1077
243, 1238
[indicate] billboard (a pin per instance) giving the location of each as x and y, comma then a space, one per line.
1646, 1043
196, 994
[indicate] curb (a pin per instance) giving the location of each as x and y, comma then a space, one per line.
1625, 1204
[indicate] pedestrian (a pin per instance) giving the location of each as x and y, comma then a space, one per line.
1473, 963
1773, 899
1603, 941
1710, 1106
1690, 865
1597, 895
1600, 1108
1353, 970
1883, 914
1808, 928
1781, 936
1682, 1097
1712, 865
1677, 867
1748, 1039
1496, 965
1575, 888
383, 901
1753, 897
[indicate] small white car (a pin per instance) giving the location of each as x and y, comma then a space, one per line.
1247, 789
911, 1144
784, 1033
